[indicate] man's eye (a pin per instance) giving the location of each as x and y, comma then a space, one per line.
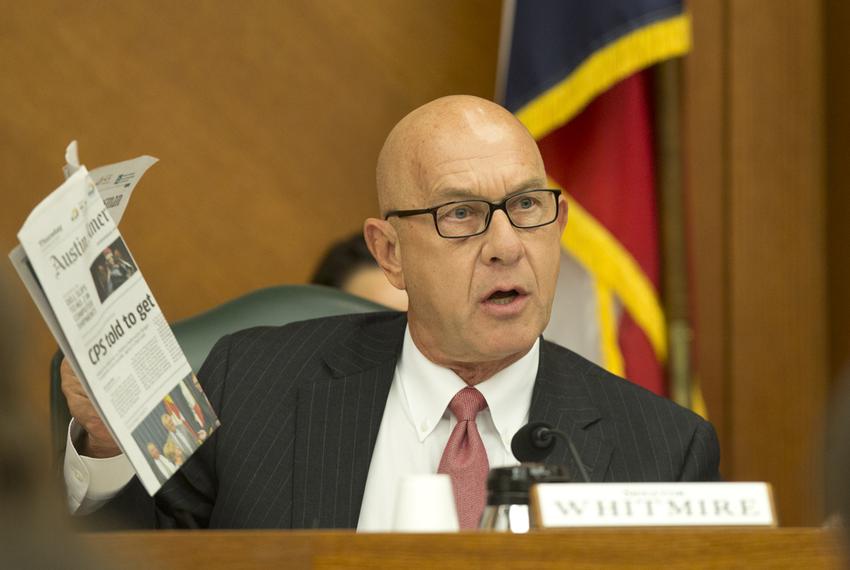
527, 203
459, 213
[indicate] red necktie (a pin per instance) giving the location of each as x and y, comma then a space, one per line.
465, 459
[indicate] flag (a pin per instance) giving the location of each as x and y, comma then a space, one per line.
574, 72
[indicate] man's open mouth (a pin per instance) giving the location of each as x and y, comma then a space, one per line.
503, 297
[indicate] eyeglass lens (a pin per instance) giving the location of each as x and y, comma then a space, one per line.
525, 210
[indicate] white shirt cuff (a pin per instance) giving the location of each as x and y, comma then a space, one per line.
91, 482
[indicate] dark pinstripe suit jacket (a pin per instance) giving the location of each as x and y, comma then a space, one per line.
301, 405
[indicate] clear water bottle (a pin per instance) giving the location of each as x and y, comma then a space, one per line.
508, 492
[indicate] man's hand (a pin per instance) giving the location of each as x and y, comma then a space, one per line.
96, 441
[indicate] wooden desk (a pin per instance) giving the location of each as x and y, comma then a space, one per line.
652, 548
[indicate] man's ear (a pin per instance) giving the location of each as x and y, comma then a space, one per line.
382, 241
563, 211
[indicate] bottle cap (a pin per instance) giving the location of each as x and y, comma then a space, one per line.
510, 485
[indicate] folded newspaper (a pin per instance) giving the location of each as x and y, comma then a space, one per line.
90, 292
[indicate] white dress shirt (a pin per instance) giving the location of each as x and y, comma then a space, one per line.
417, 423
91, 482
414, 430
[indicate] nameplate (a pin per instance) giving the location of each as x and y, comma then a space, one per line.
562, 505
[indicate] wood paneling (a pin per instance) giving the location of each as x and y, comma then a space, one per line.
776, 250
705, 179
756, 164
267, 118
837, 84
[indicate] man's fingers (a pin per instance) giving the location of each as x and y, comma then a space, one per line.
70, 382
71, 385
65, 368
83, 410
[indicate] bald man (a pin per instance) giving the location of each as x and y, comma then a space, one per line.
321, 419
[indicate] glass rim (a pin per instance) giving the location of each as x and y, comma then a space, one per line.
492, 207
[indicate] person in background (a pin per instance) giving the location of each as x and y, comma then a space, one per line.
349, 266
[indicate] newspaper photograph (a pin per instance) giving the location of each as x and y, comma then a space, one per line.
91, 293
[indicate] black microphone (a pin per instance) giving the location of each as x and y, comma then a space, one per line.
535, 441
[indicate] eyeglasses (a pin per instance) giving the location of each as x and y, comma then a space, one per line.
467, 218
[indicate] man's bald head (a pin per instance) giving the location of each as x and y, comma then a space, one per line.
418, 138
477, 301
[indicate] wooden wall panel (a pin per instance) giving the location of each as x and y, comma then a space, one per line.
705, 181
777, 262
837, 84
267, 118
757, 181
755, 160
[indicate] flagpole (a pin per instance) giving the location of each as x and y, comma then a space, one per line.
668, 154
505, 35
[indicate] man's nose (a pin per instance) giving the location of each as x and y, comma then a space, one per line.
502, 242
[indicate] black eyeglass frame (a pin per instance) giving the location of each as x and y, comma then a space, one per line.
493, 208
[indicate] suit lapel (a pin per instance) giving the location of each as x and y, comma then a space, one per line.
337, 421
561, 399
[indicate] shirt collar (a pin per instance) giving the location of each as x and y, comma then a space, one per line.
427, 389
